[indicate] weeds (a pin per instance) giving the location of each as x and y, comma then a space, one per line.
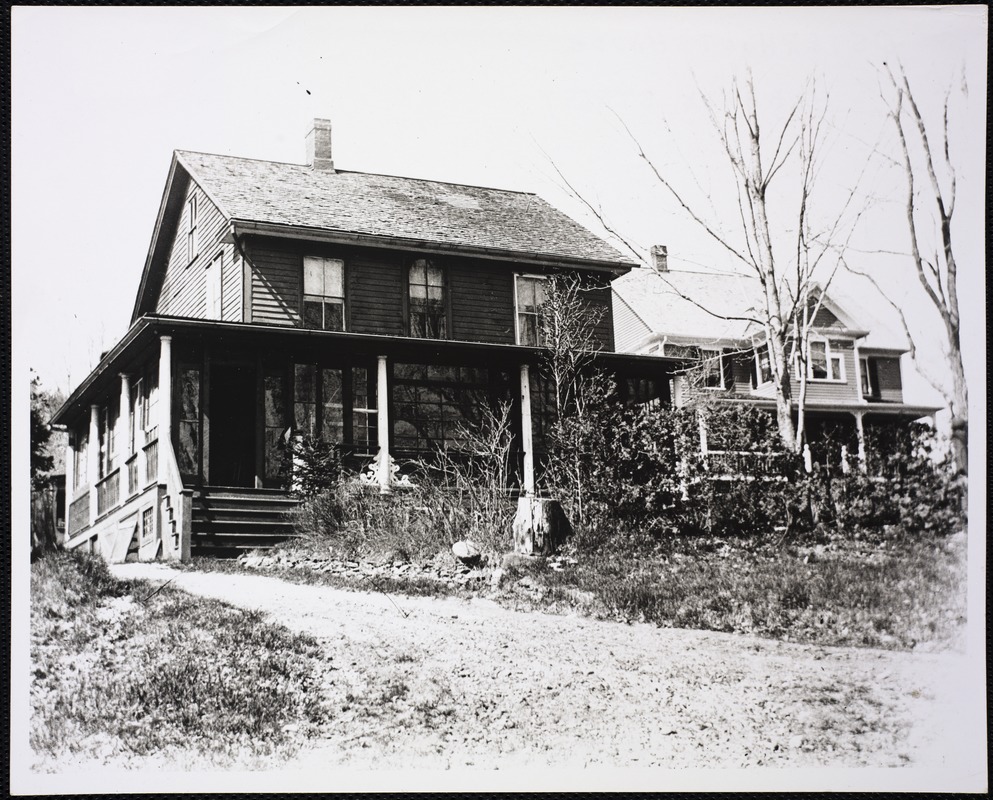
178, 671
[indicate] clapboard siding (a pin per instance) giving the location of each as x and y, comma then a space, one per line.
375, 292
183, 287
231, 286
629, 328
831, 391
276, 277
482, 302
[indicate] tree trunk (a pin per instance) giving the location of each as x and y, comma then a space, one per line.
539, 527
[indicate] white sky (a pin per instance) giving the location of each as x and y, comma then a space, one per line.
101, 97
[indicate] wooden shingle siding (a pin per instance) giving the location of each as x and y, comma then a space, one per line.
890, 381
183, 286
375, 292
276, 291
482, 302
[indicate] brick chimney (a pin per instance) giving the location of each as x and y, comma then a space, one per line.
660, 258
319, 146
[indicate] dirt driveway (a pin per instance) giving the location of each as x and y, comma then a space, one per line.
448, 684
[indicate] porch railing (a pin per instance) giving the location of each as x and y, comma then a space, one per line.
151, 461
109, 492
79, 514
746, 463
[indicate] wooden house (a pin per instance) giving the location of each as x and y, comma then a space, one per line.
279, 300
854, 374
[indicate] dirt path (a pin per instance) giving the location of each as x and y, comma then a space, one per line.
447, 683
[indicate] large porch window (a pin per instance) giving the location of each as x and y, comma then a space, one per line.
335, 404
435, 405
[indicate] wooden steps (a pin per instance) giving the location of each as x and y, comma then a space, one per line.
229, 521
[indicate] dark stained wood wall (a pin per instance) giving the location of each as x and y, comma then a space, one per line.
375, 292
480, 291
482, 301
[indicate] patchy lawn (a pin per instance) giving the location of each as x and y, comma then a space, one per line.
121, 669
896, 593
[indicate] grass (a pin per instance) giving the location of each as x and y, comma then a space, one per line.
120, 670
894, 594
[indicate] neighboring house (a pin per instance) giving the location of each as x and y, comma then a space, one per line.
853, 366
282, 300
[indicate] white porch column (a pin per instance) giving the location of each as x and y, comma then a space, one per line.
165, 394
124, 435
383, 426
93, 460
860, 434
527, 435
858, 371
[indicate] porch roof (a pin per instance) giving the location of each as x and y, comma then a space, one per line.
135, 348
867, 408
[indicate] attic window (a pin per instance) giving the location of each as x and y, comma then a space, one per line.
324, 293
192, 240
822, 363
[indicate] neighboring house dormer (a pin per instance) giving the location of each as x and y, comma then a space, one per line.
713, 320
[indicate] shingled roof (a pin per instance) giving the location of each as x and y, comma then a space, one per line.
430, 212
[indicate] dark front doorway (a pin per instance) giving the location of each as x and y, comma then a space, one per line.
232, 425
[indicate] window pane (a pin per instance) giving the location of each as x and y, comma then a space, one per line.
334, 317
332, 417
417, 272
818, 360
305, 418
274, 407
836, 368
313, 275
435, 276
189, 394
313, 314
334, 271
189, 436
528, 329
303, 386
418, 292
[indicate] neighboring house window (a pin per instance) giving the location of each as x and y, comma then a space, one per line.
763, 365
427, 312
713, 369
869, 376
529, 296
213, 286
324, 293
822, 363
192, 239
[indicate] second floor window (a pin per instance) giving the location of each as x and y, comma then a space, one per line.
324, 293
822, 363
530, 295
428, 314
763, 365
713, 369
192, 241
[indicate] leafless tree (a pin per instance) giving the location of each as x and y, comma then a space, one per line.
793, 260
930, 205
